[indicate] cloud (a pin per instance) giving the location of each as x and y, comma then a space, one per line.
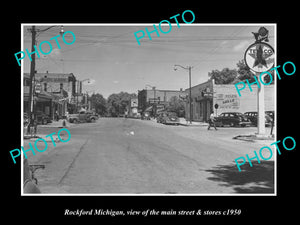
241, 46
54, 54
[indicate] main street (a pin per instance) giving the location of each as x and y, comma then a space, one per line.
130, 156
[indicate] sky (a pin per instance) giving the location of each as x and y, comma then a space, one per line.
109, 54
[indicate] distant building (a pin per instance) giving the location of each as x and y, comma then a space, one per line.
155, 97
206, 96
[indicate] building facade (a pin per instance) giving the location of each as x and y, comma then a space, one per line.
55, 95
208, 97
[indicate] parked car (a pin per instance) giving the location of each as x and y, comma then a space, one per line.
232, 119
42, 118
167, 118
252, 116
82, 116
146, 116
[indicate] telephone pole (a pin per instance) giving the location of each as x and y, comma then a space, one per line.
31, 79
189, 68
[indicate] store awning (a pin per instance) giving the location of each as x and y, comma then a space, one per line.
149, 109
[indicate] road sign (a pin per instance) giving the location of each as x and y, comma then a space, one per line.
260, 57
134, 102
153, 100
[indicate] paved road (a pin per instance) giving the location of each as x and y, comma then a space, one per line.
127, 156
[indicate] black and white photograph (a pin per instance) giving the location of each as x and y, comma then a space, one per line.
150, 114
161, 109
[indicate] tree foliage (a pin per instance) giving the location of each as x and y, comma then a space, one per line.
225, 76
244, 71
98, 102
117, 103
232, 76
176, 105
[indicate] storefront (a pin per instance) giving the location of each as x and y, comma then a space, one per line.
208, 97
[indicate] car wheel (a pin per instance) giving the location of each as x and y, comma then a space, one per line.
93, 120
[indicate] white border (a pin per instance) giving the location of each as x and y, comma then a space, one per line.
151, 24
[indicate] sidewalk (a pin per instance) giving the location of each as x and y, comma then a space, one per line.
186, 123
58, 124
41, 134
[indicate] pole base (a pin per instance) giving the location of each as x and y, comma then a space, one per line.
263, 136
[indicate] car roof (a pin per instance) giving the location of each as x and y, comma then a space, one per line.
230, 112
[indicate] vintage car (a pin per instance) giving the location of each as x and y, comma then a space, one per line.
232, 119
252, 116
42, 118
82, 116
145, 116
167, 118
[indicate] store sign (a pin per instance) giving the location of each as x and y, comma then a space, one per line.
153, 100
228, 101
55, 79
134, 102
259, 57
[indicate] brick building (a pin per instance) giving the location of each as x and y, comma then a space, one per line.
57, 93
206, 95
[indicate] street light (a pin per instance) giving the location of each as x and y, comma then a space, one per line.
189, 68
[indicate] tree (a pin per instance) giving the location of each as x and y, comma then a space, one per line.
98, 102
244, 71
176, 105
226, 76
118, 103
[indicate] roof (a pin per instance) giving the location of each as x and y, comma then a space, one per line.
51, 75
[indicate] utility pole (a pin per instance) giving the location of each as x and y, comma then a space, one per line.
32, 71
190, 94
189, 68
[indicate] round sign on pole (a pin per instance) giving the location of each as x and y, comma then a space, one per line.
260, 57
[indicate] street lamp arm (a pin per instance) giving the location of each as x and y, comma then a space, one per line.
46, 29
186, 68
61, 29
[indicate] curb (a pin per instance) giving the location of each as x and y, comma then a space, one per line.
252, 137
193, 125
